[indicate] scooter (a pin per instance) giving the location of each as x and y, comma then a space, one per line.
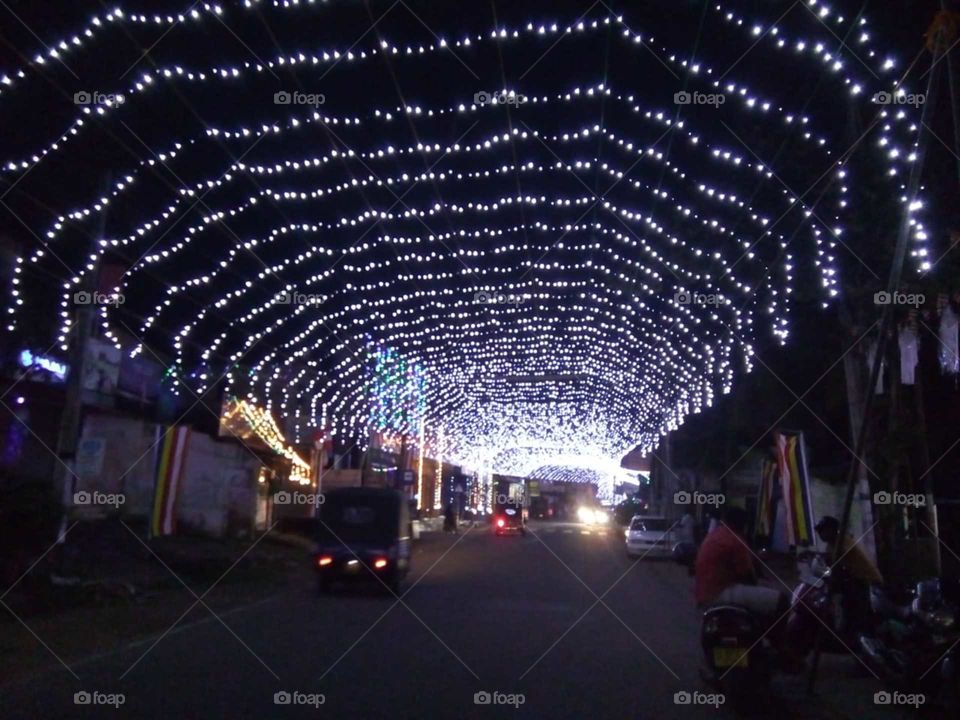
739, 654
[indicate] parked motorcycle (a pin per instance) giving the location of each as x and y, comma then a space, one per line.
739, 652
916, 647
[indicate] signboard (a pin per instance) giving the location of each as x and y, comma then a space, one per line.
31, 361
408, 477
140, 378
102, 369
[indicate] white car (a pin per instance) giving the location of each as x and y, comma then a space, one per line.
651, 536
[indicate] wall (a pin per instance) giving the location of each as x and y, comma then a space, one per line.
126, 464
218, 491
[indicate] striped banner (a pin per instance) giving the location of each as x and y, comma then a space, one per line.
170, 458
795, 487
766, 506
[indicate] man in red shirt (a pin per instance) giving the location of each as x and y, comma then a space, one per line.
724, 570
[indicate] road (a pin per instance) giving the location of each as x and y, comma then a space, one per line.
560, 617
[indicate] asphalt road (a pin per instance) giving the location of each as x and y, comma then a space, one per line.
560, 619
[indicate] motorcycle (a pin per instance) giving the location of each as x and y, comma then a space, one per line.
916, 648
739, 653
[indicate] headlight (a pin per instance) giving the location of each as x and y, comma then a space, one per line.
585, 515
600, 517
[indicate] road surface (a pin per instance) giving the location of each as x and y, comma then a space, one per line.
557, 624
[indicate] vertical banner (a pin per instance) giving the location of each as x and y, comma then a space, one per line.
170, 459
766, 502
795, 487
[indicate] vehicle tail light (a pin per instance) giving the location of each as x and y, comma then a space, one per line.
324, 560
500, 522
380, 563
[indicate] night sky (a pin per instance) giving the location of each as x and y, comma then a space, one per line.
629, 200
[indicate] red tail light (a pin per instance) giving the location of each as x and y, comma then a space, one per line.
324, 560
501, 522
380, 563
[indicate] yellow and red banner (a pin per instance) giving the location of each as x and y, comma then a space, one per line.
170, 459
786, 480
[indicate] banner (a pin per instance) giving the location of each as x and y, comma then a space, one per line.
170, 459
791, 469
766, 504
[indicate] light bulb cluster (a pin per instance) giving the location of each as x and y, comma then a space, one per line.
571, 277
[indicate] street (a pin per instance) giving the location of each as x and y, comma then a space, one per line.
559, 617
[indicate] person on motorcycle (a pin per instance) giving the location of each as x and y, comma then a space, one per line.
724, 571
856, 572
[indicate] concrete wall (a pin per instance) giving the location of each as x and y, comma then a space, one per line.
218, 491
125, 463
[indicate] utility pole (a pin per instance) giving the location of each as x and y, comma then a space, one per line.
71, 420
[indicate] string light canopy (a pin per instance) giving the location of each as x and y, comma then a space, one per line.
557, 236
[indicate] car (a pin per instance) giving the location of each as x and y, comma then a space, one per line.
364, 535
651, 536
